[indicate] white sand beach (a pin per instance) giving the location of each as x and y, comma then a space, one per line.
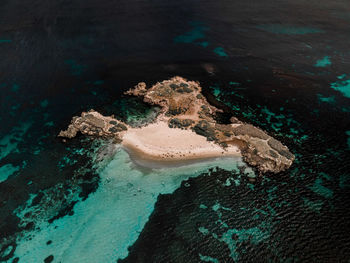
158, 142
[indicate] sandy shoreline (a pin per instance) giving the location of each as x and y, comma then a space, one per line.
159, 143
145, 163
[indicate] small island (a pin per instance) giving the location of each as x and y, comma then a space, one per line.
184, 130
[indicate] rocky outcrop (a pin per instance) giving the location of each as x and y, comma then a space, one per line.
180, 123
257, 149
94, 124
183, 106
204, 128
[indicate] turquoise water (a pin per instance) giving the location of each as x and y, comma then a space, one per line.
320, 189
195, 34
348, 141
324, 62
6, 171
342, 85
119, 208
289, 29
208, 259
76, 69
8, 144
220, 51
330, 99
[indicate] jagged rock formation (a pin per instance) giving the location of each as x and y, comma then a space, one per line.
183, 106
94, 123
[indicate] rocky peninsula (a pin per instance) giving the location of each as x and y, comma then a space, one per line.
185, 129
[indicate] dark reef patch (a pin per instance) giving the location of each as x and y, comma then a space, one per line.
48, 259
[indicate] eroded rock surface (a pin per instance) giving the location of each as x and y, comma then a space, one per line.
94, 123
183, 106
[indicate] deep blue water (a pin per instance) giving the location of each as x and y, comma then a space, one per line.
282, 66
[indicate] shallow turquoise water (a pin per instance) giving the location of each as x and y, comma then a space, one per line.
342, 85
324, 62
119, 208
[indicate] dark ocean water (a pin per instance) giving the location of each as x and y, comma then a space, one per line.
283, 66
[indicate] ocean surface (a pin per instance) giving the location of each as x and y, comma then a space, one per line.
283, 66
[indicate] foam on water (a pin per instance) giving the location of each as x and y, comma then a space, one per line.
111, 219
